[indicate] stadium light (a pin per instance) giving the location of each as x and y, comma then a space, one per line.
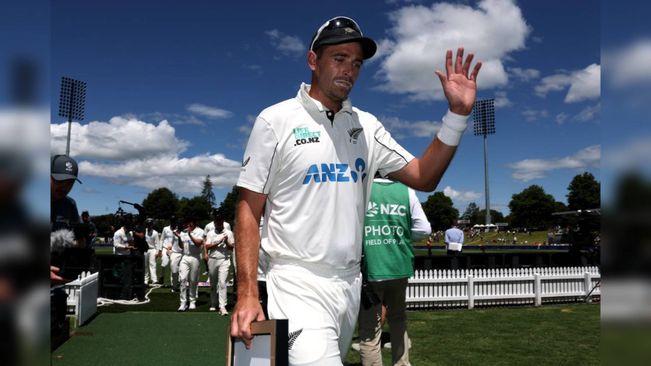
72, 102
483, 114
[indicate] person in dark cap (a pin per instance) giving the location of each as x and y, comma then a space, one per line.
63, 209
310, 163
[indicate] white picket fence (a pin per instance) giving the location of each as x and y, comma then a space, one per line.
82, 296
501, 286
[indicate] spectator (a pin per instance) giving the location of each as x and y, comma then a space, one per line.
453, 240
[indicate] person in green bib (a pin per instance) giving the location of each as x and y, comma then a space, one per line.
393, 219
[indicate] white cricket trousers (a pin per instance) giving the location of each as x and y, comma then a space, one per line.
175, 264
218, 272
189, 278
150, 266
321, 304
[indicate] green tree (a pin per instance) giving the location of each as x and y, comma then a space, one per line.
196, 207
532, 208
496, 216
105, 225
471, 213
206, 191
227, 207
584, 192
440, 211
161, 203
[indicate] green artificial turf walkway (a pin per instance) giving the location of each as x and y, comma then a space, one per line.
147, 338
566, 334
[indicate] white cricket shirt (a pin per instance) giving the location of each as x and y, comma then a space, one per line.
317, 175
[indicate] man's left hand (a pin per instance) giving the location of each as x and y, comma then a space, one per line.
459, 86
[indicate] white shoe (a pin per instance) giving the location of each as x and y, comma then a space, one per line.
193, 306
388, 344
222, 311
212, 308
355, 346
183, 307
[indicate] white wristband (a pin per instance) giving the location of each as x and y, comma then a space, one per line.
452, 128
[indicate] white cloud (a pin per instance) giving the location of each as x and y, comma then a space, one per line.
502, 100
128, 151
524, 74
529, 169
179, 174
588, 113
420, 35
561, 118
121, 138
583, 84
208, 111
399, 127
461, 196
630, 64
533, 115
586, 84
286, 44
634, 153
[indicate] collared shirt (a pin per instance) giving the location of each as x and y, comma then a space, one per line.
317, 175
454, 235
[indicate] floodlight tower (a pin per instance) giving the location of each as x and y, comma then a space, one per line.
72, 102
483, 114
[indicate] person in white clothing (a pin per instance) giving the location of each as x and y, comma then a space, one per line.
122, 238
153, 251
173, 250
211, 225
309, 163
191, 240
217, 251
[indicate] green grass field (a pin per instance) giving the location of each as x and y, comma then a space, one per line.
155, 334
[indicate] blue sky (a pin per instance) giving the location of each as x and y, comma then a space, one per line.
173, 88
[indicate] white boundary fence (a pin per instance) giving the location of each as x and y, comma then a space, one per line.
501, 286
82, 296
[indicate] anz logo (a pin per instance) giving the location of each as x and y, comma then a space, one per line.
336, 172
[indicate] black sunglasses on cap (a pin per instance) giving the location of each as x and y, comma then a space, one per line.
342, 30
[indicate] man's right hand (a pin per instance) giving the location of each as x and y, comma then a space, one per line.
247, 310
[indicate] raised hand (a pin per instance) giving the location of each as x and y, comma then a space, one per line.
459, 86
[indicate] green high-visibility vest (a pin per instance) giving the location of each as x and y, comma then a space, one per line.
388, 253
